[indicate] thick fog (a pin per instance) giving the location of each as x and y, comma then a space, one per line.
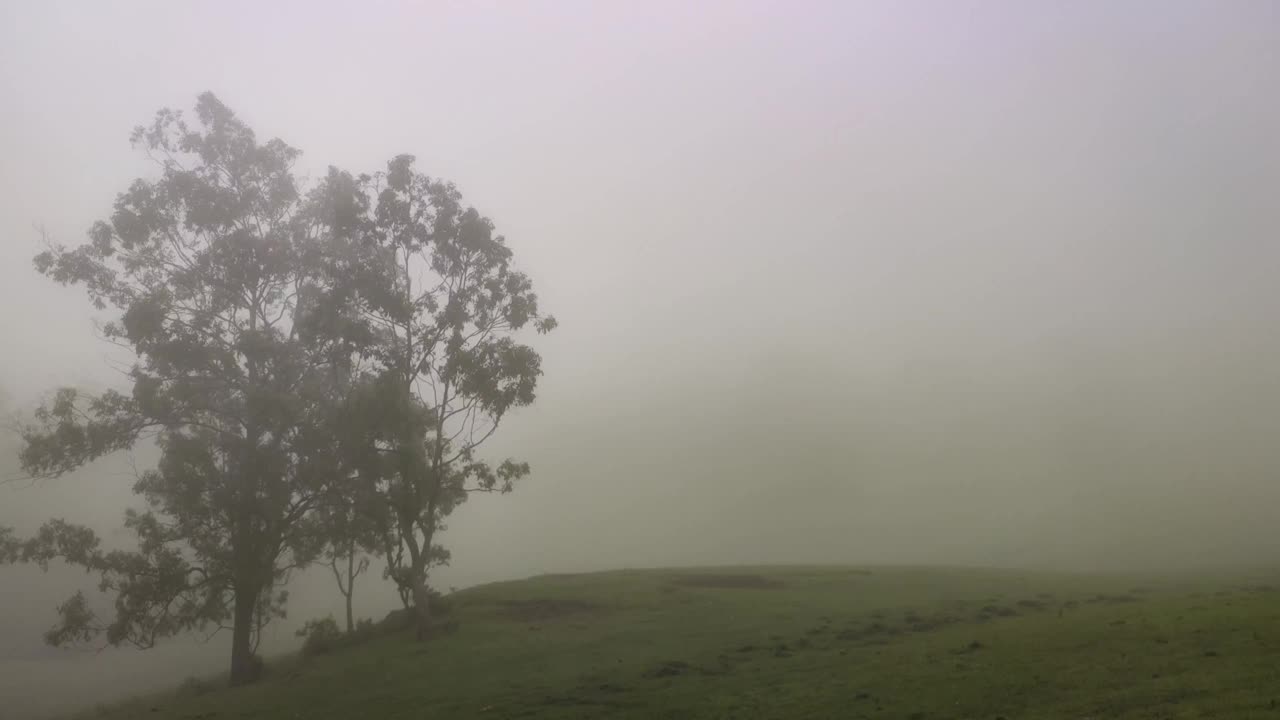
987, 283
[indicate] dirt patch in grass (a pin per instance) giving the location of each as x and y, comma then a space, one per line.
545, 610
933, 622
1112, 599
676, 668
871, 630
733, 582
994, 611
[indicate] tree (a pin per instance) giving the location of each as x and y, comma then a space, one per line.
420, 287
350, 538
204, 267
10, 547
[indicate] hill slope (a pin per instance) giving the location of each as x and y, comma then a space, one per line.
799, 643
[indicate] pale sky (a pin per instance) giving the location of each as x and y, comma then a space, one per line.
932, 282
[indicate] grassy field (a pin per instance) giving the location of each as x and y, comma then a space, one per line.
798, 642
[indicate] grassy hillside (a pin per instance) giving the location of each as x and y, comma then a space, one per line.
799, 643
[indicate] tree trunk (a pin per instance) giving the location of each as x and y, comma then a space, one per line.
351, 587
421, 606
243, 666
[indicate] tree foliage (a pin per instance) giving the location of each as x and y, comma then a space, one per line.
10, 546
425, 291
350, 537
203, 269
317, 370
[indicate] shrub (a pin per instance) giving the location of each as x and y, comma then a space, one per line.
193, 687
441, 607
441, 604
395, 620
320, 636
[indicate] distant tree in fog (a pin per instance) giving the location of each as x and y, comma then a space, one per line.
421, 286
350, 538
10, 546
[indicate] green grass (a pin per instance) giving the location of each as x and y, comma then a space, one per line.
800, 643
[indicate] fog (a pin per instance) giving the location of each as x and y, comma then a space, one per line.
984, 283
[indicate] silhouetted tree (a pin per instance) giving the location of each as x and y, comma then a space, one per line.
204, 267
350, 537
422, 288
10, 547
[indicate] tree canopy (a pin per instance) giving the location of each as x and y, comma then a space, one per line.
308, 395
425, 285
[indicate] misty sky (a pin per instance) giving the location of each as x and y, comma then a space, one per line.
931, 282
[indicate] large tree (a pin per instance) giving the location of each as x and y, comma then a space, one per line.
203, 268
424, 291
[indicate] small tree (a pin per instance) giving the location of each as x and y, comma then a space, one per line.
205, 268
10, 547
350, 538
425, 288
